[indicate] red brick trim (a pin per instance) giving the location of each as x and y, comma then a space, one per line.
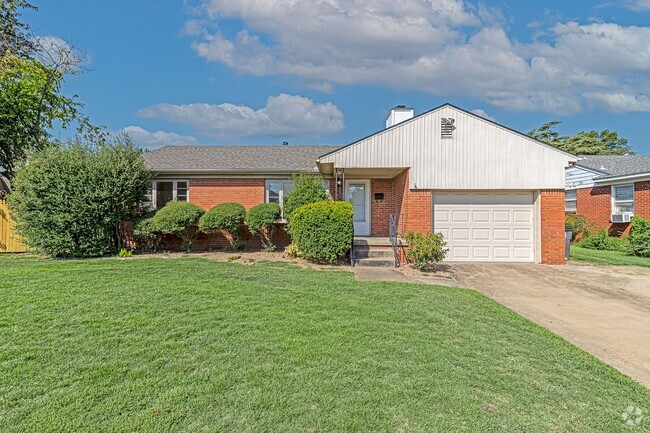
552, 226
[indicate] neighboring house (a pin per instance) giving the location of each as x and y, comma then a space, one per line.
494, 193
609, 190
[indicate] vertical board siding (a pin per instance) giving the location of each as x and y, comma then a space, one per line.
9, 239
481, 155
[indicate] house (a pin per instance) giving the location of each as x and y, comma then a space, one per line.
494, 193
609, 190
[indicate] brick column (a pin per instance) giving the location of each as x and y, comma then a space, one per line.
552, 225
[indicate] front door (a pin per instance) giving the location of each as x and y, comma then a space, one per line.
357, 192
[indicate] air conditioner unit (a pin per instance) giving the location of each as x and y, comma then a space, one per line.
621, 217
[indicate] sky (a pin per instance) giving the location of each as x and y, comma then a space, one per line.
209, 72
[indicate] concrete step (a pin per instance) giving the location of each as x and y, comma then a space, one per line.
378, 263
373, 253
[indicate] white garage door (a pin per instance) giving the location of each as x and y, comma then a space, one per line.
486, 226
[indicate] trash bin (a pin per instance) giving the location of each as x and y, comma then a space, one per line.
568, 234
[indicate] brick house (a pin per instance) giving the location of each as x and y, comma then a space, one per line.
494, 193
609, 190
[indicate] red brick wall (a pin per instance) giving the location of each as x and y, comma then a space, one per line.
552, 226
208, 193
414, 206
596, 204
642, 199
380, 210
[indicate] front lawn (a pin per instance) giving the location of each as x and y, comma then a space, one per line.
607, 257
192, 345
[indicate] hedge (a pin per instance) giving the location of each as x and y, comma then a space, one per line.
322, 231
640, 237
179, 218
262, 221
226, 217
307, 189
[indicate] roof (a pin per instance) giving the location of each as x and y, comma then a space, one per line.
611, 166
233, 159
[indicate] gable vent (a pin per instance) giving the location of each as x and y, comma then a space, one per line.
447, 127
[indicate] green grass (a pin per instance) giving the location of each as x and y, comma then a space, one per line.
192, 345
607, 257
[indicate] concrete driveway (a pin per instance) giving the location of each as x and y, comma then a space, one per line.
605, 310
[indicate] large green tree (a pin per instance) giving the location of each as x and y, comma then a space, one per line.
15, 36
605, 142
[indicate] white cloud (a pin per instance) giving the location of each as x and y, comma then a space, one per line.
283, 115
53, 50
443, 47
483, 114
639, 5
152, 140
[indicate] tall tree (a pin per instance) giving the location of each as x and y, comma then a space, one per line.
605, 142
14, 34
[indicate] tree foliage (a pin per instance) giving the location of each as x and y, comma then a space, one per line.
71, 201
14, 34
228, 218
605, 142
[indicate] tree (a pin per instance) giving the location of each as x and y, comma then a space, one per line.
14, 34
71, 201
605, 142
307, 189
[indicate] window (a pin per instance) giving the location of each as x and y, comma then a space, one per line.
277, 191
164, 191
622, 199
570, 200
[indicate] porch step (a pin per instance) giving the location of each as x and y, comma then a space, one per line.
372, 241
373, 253
375, 262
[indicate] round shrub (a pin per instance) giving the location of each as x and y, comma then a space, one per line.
425, 248
179, 218
307, 189
602, 241
640, 237
226, 217
262, 221
146, 233
322, 231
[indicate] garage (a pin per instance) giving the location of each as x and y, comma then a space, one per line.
486, 226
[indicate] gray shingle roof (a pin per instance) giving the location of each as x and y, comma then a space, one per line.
616, 165
231, 159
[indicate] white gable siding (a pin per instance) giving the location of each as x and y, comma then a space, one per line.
578, 177
481, 155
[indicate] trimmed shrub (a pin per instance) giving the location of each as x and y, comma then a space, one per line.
146, 233
307, 189
640, 237
425, 248
602, 241
322, 231
582, 226
262, 221
72, 201
179, 218
228, 218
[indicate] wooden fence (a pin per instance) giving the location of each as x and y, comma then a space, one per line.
9, 239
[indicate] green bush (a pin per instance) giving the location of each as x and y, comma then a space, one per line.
179, 218
228, 218
72, 201
262, 221
146, 233
640, 237
425, 249
582, 226
602, 241
125, 253
307, 189
322, 231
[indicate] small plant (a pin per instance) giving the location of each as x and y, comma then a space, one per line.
179, 218
582, 226
323, 231
425, 249
293, 251
148, 236
640, 237
234, 257
227, 218
125, 253
602, 241
307, 189
262, 221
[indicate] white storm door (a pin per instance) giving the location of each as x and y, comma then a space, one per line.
357, 192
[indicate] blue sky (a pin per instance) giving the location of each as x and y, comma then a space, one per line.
261, 72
